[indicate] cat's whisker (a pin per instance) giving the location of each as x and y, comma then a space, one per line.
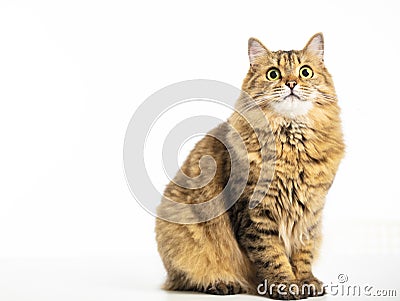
260, 102
326, 96
286, 163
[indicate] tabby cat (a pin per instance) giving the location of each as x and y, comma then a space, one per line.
276, 239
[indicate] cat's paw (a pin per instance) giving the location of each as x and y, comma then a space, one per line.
224, 288
284, 290
311, 287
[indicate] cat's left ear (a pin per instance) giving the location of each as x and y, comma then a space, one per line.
316, 45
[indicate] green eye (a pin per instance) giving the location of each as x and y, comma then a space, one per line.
306, 72
273, 74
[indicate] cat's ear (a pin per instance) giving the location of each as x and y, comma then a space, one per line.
316, 45
256, 49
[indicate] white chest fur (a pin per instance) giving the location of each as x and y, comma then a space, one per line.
292, 107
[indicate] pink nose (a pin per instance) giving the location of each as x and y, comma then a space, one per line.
291, 84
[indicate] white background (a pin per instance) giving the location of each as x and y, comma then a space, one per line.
71, 75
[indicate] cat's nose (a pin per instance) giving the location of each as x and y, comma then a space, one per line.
291, 84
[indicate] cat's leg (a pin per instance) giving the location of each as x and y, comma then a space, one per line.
267, 252
203, 257
301, 260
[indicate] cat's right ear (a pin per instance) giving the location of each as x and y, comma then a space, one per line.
256, 49
316, 45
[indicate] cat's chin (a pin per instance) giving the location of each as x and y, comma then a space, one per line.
292, 107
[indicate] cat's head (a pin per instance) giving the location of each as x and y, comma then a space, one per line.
289, 83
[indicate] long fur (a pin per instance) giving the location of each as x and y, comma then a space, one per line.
279, 239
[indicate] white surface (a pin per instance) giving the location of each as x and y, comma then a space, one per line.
73, 72
111, 278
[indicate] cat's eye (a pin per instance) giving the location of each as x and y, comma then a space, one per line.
306, 72
273, 74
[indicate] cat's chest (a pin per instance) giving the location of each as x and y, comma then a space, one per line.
298, 149
291, 170
295, 152
298, 166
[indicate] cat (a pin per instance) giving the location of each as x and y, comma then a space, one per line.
277, 238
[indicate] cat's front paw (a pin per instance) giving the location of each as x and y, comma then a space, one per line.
311, 287
224, 288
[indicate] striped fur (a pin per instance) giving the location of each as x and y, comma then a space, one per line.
278, 240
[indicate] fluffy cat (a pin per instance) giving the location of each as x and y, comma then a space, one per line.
279, 238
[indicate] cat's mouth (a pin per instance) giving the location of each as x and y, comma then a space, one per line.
292, 105
292, 97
